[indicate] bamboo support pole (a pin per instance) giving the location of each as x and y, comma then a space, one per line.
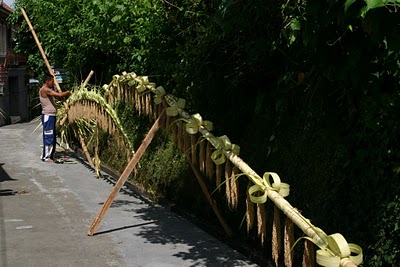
85, 150
203, 186
87, 79
124, 176
96, 153
82, 86
81, 139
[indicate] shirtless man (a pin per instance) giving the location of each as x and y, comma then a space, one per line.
49, 111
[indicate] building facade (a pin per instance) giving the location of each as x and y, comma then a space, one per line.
14, 100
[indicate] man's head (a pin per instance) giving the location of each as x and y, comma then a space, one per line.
49, 80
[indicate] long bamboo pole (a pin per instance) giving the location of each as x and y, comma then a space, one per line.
41, 49
124, 176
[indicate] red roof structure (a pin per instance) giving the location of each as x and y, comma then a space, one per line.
6, 7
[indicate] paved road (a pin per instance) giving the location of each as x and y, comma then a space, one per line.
46, 210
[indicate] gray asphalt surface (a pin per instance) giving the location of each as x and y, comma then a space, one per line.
46, 210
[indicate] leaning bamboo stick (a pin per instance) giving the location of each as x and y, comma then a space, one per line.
85, 150
203, 186
87, 79
124, 176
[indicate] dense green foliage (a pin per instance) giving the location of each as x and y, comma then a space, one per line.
309, 89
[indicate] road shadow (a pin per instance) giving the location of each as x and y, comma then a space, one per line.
4, 175
159, 225
3, 192
3, 178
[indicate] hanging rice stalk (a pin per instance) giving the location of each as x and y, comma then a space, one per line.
147, 104
228, 175
234, 188
186, 145
193, 153
167, 123
209, 163
288, 242
142, 104
163, 122
136, 99
154, 110
276, 236
179, 135
174, 129
202, 159
133, 94
218, 176
151, 115
309, 254
125, 94
249, 209
96, 154
261, 223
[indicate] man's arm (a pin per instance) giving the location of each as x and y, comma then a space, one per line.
50, 92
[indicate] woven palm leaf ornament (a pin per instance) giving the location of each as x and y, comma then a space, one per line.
333, 249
